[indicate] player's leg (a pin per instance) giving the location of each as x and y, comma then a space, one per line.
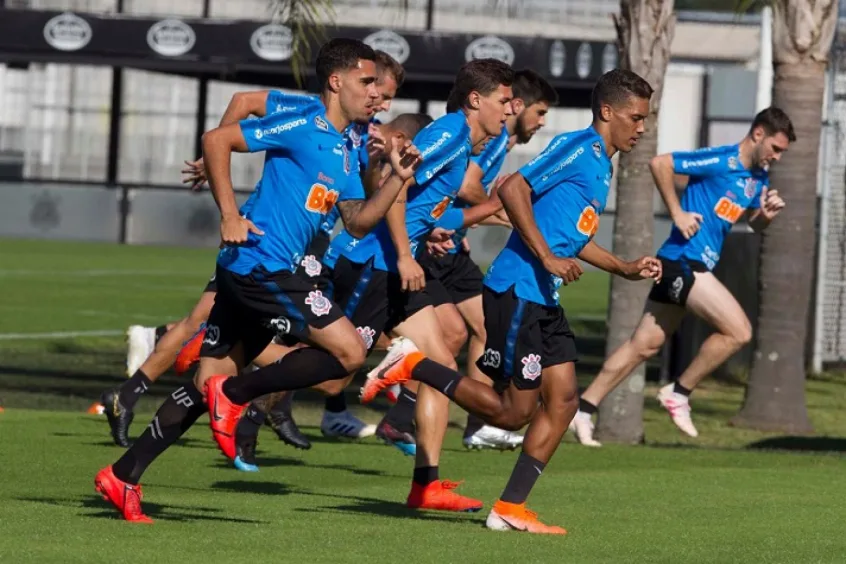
710, 300
223, 353
119, 403
428, 491
659, 321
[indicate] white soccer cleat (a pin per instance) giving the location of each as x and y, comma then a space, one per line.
582, 427
345, 424
679, 408
141, 341
493, 438
389, 371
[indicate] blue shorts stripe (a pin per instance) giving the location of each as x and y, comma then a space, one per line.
511, 337
358, 291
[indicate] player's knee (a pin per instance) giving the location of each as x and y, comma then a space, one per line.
742, 335
644, 347
455, 338
562, 408
352, 355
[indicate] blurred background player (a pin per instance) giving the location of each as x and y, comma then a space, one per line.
723, 182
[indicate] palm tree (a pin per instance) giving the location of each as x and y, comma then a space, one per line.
803, 31
307, 20
645, 31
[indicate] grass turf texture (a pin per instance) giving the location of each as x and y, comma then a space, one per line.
715, 499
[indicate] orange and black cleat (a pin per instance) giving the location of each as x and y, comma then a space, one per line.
438, 495
224, 415
515, 517
125, 497
189, 354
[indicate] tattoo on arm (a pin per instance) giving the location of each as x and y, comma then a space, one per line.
349, 210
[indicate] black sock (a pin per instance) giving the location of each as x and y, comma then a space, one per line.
160, 331
473, 425
282, 408
425, 475
437, 376
133, 388
526, 472
302, 368
679, 389
401, 414
586, 407
176, 415
249, 425
336, 404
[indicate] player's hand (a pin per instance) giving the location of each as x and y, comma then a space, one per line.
687, 223
405, 159
643, 268
375, 143
235, 230
195, 174
569, 270
439, 242
771, 203
412, 275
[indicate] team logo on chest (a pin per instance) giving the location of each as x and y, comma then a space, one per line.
531, 366
749, 189
320, 304
311, 265
597, 149
366, 334
321, 123
347, 165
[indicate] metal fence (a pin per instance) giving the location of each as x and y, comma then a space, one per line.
830, 315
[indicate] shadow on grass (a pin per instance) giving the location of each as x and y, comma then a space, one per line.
801, 444
154, 510
274, 462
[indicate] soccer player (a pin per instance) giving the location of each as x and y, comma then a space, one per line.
308, 170
152, 351
723, 182
454, 281
554, 203
387, 282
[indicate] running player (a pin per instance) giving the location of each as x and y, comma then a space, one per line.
554, 203
387, 282
308, 170
723, 182
454, 281
149, 355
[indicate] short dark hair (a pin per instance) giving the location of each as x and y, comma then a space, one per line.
532, 88
386, 63
411, 124
615, 87
773, 120
341, 54
481, 75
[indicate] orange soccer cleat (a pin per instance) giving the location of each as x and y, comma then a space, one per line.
395, 368
125, 497
515, 517
439, 495
189, 354
224, 415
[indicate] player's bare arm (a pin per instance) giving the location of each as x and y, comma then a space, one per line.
516, 198
471, 190
218, 146
771, 205
241, 106
661, 167
411, 273
639, 269
361, 216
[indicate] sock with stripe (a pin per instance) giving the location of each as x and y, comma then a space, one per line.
526, 472
133, 389
176, 415
401, 414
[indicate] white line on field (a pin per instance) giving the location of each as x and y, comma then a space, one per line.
92, 273
59, 335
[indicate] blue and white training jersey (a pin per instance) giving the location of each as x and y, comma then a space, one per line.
445, 147
490, 161
308, 168
570, 180
720, 189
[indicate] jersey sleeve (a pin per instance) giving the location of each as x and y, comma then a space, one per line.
452, 219
281, 102
274, 131
435, 144
558, 163
354, 189
703, 162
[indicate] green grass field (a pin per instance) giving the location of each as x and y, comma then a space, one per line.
732, 495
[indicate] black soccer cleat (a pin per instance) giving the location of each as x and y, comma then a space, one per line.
286, 429
118, 416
